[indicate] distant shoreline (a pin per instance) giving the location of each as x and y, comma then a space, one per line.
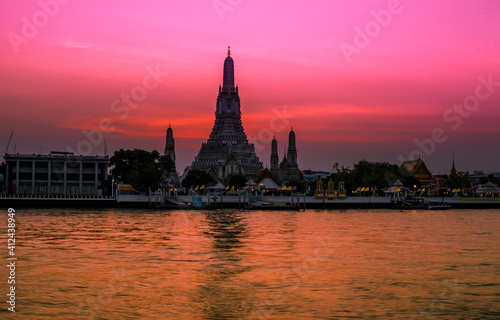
233, 202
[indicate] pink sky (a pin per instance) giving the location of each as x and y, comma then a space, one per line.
61, 76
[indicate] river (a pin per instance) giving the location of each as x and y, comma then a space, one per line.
313, 264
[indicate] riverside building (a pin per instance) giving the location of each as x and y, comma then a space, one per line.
58, 173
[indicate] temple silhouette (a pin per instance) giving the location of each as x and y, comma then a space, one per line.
227, 150
170, 152
288, 169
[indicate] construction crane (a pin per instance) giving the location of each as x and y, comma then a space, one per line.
8, 143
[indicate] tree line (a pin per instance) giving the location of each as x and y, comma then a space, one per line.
148, 170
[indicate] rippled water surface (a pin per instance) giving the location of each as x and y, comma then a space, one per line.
140, 264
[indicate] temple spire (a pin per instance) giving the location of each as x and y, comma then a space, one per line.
170, 143
292, 150
453, 170
228, 78
227, 149
170, 152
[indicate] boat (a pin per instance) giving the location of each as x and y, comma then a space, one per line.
421, 203
437, 205
169, 205
262, 205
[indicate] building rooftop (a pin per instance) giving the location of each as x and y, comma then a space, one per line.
53, 155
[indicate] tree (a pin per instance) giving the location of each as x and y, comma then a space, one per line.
464, 179
458, 180
345, 174
166, 164
196, 177
237, 180
137, 167
380, 175
373, 174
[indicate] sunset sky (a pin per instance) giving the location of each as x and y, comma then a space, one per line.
357, 79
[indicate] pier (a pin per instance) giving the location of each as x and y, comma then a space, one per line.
218, 201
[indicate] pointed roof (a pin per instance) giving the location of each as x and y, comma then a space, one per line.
453, 170
413, 165
418, 169
228, 77
489, 187
214, 175
291, 140
284, 159
265, 174
334, 168
274, 147
398, 184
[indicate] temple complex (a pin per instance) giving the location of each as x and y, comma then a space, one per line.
227, 149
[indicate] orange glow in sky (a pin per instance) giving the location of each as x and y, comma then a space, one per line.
356, 79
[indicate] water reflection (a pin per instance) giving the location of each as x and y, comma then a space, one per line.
223, 294
227, 228
136, 264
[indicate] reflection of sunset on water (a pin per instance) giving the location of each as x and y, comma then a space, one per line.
257, 265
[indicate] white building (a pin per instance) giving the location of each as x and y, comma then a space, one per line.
58, 173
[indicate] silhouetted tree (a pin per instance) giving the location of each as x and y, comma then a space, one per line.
196, 177
166, 164
458, 180
301, 186
137, 167
380, 175
237, 180
346, 175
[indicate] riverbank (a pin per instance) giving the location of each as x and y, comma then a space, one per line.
215, 201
